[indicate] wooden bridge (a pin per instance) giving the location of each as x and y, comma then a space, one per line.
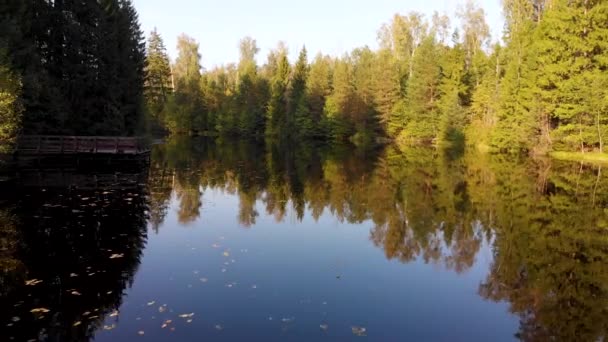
51, 145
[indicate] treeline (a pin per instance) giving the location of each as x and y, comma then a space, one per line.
70, 67
545, 87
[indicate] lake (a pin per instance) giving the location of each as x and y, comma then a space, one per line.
226, 240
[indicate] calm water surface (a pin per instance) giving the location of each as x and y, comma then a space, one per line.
233, 241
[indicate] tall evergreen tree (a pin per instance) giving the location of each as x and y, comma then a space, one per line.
277, 116
298, 99
158, 84
318, 88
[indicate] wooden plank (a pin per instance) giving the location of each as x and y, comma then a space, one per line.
53, 145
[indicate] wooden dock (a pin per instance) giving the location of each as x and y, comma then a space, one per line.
52, 145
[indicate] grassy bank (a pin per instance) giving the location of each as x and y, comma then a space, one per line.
593, 157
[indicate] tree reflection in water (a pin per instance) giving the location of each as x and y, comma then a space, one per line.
68, 253
546, 220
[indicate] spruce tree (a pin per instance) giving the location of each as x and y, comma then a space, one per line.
158, 84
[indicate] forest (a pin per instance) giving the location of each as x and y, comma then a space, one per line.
70, 67
83, 68
544, 88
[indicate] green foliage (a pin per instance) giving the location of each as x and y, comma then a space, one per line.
81, 64
279, 121
158, 83
185, 112
10, 106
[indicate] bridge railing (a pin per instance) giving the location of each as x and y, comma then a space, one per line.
53, 144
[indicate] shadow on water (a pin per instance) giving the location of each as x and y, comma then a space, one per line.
71, 244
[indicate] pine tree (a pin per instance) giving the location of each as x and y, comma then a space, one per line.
452, 90
249, 106
298, 100
318, 88
572, 50
421, 114
336, 111
158, 84
386, 87
517, 125
277, 117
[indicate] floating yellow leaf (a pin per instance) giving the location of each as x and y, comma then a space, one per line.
187, 315
114, 314
40, 310
226, 254
76, 293
116, 256
77, 324
33, 282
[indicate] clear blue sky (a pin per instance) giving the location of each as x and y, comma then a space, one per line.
331, 26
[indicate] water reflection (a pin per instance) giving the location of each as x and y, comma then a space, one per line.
545, 220
74, 249
68, 252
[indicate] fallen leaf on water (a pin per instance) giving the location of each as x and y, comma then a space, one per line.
114, 314
218, 327
204, 280
163, 326
86, 313
140, 333
223, 270
33, 282
189, 321
76, 293
40, 310
359, 331
73, 275
116, 256
254, 286
162, 308
324, 327
109, 327
287, 320
215, 245
226, 254
186, 315
151, 303
77, 324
